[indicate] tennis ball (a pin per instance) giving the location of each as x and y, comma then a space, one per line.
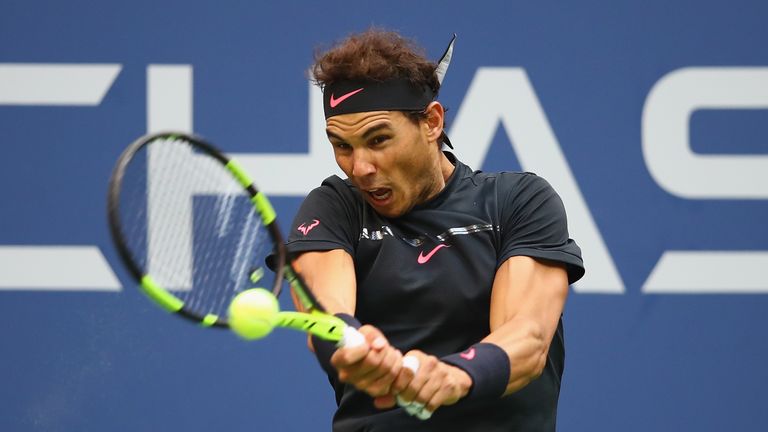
253, 313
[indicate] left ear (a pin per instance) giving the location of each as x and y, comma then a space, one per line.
434, 121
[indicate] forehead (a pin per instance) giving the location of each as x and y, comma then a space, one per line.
359, 123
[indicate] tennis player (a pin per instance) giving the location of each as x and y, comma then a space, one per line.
464, 271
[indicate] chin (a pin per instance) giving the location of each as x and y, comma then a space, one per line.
387, 212
394, 212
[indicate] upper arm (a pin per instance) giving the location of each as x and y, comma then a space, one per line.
534, 224
330, 276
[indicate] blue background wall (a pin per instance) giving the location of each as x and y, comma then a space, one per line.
636, 361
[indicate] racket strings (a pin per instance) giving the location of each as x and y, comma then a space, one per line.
196, 231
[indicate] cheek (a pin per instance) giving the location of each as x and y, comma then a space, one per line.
411, 171
344, 164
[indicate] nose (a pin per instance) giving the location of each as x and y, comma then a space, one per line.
362, 165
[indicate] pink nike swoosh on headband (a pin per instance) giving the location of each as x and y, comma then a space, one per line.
335, 102
424, 258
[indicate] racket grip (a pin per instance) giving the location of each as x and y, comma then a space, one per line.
413, 408
351, 337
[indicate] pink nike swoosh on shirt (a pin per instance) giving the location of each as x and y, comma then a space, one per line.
335, 102
425, 258
468, 355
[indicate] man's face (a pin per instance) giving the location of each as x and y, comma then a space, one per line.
389, 158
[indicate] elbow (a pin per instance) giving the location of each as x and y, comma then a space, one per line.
538, 370
538, 351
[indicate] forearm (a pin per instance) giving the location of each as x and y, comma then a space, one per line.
330, 276
526, 304
526, 344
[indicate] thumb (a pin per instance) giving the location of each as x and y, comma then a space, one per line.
375, 338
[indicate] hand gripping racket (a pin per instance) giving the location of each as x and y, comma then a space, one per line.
193, 230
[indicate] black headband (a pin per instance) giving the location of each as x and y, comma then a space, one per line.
347, 97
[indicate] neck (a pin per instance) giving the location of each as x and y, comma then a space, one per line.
438, 181
446, 167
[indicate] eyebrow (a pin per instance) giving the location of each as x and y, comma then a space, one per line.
375, 129
366, 135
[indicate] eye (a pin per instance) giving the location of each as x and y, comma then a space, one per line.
341, 146
379, 140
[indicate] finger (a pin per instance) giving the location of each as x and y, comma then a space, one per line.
374, 337
379, 380
448, 395
417, 407
357, 363
444, 396
422, 376
356, 372
384, 402
357, 344
418, 410
448, 391
408, 370
411, 362
379, 387
413, 408
350, 338
347, 356
429, 390
424, 414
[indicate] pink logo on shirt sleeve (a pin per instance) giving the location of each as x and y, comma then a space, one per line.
305, 229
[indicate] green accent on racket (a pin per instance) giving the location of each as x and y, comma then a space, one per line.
263, 205
159, 295
209, 320
320, 324
298, 288
237, 170
257, 275
265, 208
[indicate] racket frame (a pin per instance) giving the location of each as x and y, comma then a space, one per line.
147, 283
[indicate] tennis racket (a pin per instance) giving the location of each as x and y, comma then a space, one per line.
193, 231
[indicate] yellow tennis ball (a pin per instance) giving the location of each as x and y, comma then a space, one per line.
253, 313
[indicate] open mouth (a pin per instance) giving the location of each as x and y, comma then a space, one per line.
380, 195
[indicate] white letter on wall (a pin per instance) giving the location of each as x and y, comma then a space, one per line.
55, 267
681, 172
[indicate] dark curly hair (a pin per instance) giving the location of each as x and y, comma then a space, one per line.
375, 55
